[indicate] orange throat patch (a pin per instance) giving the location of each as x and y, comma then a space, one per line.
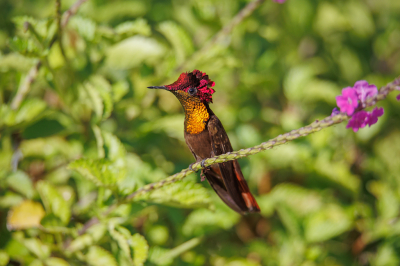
196, 114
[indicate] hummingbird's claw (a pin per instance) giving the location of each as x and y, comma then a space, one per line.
203, 177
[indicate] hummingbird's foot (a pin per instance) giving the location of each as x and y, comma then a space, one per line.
203, 177
191, 169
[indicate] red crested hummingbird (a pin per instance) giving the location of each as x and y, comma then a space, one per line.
206, 137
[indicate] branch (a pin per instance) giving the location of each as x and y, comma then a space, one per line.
279, 140
25, 85
70, 12
244, 13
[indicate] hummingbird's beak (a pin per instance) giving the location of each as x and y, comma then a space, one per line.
158, 87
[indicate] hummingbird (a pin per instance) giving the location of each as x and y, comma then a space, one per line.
206, 137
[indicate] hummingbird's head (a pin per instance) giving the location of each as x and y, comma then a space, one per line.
196, 84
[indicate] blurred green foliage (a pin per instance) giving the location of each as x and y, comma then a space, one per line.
88, 132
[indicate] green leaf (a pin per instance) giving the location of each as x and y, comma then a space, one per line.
80, 243
140, 249
97, 231
187, 194
133, 51
20, 182
302, 201
10, 199
327, 223
4, 258
84, 26
114, 149
103, 88
121, 240
36, 263
16, 61
29, 110
52, 223
27, 47
156, 253
35, 246
98, 256
95, 99
119, 89
202, 221
138, 26
179, 39
101, 172
53, 201
338, 172
53, 261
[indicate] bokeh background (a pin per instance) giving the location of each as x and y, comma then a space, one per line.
88, 132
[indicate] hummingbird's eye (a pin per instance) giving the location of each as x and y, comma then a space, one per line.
192, 91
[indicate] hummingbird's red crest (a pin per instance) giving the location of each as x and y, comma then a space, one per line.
195, 79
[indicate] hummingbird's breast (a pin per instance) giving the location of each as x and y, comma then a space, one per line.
196, 113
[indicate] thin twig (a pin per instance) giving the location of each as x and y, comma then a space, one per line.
70, 12
25, 85
279, 140
226, 30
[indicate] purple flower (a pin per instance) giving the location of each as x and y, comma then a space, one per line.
347, 102
363, 118
358, 120
398, 97
365, 90
335, 111
373, 118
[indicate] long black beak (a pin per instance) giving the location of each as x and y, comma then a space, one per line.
158, 87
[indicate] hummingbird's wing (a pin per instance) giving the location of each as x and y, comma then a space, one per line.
230, 172
201, 147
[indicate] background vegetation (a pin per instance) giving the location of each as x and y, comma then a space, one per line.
80, 131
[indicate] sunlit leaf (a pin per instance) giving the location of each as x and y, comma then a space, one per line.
101, 172
84, 26
201, 221
4, 258
20, 182
157, 252
179, 39
26, 215
140, 249
80, 243
103, 87
34, 245
133, 51
138, 26
53, 261
327, 223
186, 194
53, 201
121, 240
98, 256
